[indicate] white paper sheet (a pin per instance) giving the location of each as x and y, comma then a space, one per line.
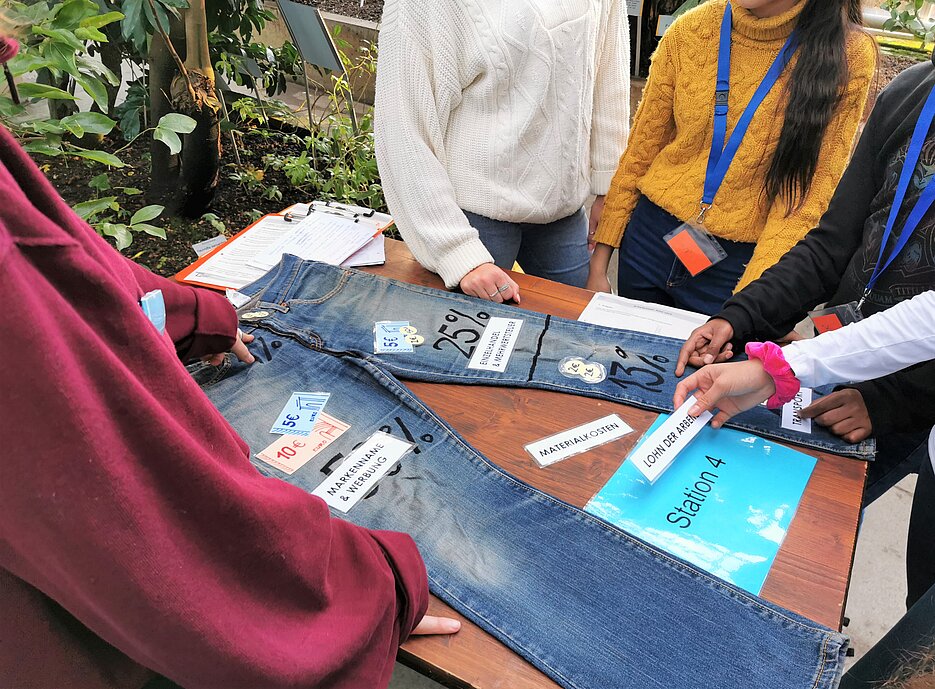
628, 314
373, 253
229, 266
319, 237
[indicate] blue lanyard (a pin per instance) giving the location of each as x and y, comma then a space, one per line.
926, 198
721, 157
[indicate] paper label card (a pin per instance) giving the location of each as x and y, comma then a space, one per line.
576, 440
289, 453
361, 471
299, 414
790, 412
389, 337
496, 344
659, 449
834, 317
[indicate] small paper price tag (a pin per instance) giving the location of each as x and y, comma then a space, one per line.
299, 414
389, 337
289, 453
695, 248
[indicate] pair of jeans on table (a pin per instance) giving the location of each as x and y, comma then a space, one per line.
648, 269
588, 604
556, 251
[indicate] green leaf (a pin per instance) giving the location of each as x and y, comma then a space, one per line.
150, 229
100, 157
100, 183
61, 36
27, 62
74, 127
73, 11
177, 122
43, 148
31, 90
169, 138
88, 209
94, 88
91, 122
146, 214
119, 232
90, 35
47, 127
101, 20
131, 191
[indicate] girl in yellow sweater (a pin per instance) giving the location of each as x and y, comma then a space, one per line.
753, 174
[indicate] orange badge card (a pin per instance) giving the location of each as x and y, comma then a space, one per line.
827, 323
689, 252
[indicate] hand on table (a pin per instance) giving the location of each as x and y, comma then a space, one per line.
436, 625
730, 388
844, 413
708, 344
239, 350
594, 217
489, 282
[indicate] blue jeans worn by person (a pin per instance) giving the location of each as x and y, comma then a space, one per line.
586, 603
648, 269
556, 251
583, 601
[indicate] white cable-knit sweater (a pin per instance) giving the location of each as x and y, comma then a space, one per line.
512, 109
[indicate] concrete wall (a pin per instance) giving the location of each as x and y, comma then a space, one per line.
355, 32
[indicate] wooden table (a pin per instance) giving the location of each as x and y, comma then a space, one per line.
810, 574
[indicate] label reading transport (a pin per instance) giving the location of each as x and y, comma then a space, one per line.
496, 344
659, 449
290, 453
299, 414
576, 440
361, 471
389, 337
791, 409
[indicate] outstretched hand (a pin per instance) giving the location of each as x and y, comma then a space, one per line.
729, 388
708, 344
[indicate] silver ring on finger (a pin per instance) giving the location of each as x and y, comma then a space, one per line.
494, 294
502, 288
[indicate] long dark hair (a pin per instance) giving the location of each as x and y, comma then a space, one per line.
814, 89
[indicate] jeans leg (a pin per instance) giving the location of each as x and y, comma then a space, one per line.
899, 651
557, 250
645, 262
898, 455
706, 292
586, 603
920, 549
502, 239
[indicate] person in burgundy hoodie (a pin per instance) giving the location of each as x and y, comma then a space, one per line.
135, 536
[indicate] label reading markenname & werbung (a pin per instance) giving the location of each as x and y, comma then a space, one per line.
361, 471
657, 451
576, 440
496, 344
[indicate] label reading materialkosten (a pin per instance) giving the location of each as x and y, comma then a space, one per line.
576, 440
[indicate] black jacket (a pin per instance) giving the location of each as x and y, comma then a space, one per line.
835, 260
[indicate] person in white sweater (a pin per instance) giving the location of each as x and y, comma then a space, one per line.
882, 344
495, 121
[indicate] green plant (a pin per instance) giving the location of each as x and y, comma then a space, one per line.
251, 180
108, 218
906, 15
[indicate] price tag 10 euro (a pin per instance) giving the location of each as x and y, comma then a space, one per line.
387, 338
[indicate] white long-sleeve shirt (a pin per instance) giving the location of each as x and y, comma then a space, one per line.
882, 344
516, 110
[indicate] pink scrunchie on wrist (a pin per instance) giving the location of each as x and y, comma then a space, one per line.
775, 364
9, 47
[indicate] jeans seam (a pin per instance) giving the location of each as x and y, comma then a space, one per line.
334, 290
504, 634
712, 582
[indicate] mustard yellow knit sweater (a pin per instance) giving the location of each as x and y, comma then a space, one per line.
671, 135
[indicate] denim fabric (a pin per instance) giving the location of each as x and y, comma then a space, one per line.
340, 307
556, 251
589, 605
649, 271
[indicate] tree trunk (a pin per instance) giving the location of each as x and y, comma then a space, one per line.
165, 166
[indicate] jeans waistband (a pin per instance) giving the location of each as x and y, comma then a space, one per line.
281, 283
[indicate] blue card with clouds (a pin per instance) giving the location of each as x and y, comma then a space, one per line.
724, 505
